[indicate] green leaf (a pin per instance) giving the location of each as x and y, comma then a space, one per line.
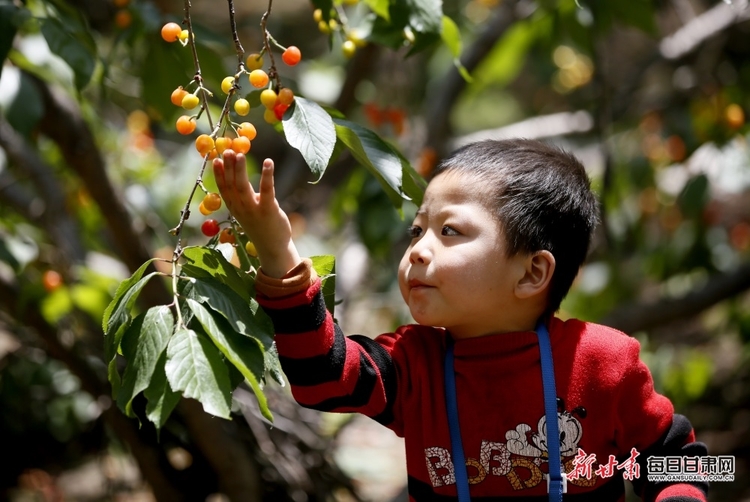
78, 56
113, 375
375, 155
123, 288
27, 108
325, 267
142, 345
244, 353
309, 129
426, 16
56, 305
273, 365
451, 36
195, 368
245, 317
161, 398
121, 318
8, 27
213, 262
507, 57
379, 7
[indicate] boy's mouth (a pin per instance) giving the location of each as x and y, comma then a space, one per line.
414, 283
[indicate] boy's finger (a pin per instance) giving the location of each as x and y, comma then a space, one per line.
238, 174
267, 190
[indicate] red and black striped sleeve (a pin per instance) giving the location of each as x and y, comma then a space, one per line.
328, 371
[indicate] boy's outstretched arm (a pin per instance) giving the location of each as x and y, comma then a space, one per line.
259, 213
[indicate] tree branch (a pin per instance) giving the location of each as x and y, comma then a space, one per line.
54, 215
642, 316
147, 456
438, 115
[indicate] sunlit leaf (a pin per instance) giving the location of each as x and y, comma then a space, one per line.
244, 353
142, 345
194, 367
309, 129
379, 7
56, 305
213, 262
451, 36
325, 267
507, 57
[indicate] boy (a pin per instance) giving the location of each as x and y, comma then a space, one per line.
499, 238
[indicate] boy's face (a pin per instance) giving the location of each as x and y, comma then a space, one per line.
455, 273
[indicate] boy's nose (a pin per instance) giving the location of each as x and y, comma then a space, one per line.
420, 252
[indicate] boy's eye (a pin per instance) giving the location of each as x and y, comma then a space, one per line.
449, 231
414, 231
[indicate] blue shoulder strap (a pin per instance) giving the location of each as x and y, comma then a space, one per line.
556, 481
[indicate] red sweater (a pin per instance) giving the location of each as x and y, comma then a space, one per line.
607, 404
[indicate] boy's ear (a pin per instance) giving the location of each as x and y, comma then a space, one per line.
538, 274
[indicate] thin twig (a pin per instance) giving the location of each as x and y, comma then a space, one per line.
198, 76
233, 24
272, 73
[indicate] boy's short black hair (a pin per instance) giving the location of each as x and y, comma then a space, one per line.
542, 197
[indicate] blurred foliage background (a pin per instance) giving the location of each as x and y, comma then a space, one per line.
651, 94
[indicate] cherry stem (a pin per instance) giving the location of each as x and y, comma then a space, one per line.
272, 73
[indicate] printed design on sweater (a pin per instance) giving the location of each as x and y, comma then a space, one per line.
519, 458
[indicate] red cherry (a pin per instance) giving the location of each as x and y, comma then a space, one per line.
210, 228
279, 110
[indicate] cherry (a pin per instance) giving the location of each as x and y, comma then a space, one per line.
222, 143
241, 144
177, 96
212, 201
291, 55
185, 124
279, 110
254, 62
210, 228
227, 235
190, 101
170, 32
247, 130
242, 107
286, 96
51, 280
227, 84
258, 79
204, 211
204, 144
250, 248
268, 98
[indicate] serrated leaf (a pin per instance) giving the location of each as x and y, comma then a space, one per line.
375, 155
214, 262
379, 7
113, 375
309, 129
325, 267
78, 56
142, 345
120, 319
194, 367
273, 365
245, 317
161, 398
243, 352
426, 16
122, 288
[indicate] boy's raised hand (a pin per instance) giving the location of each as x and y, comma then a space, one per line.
259, 213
